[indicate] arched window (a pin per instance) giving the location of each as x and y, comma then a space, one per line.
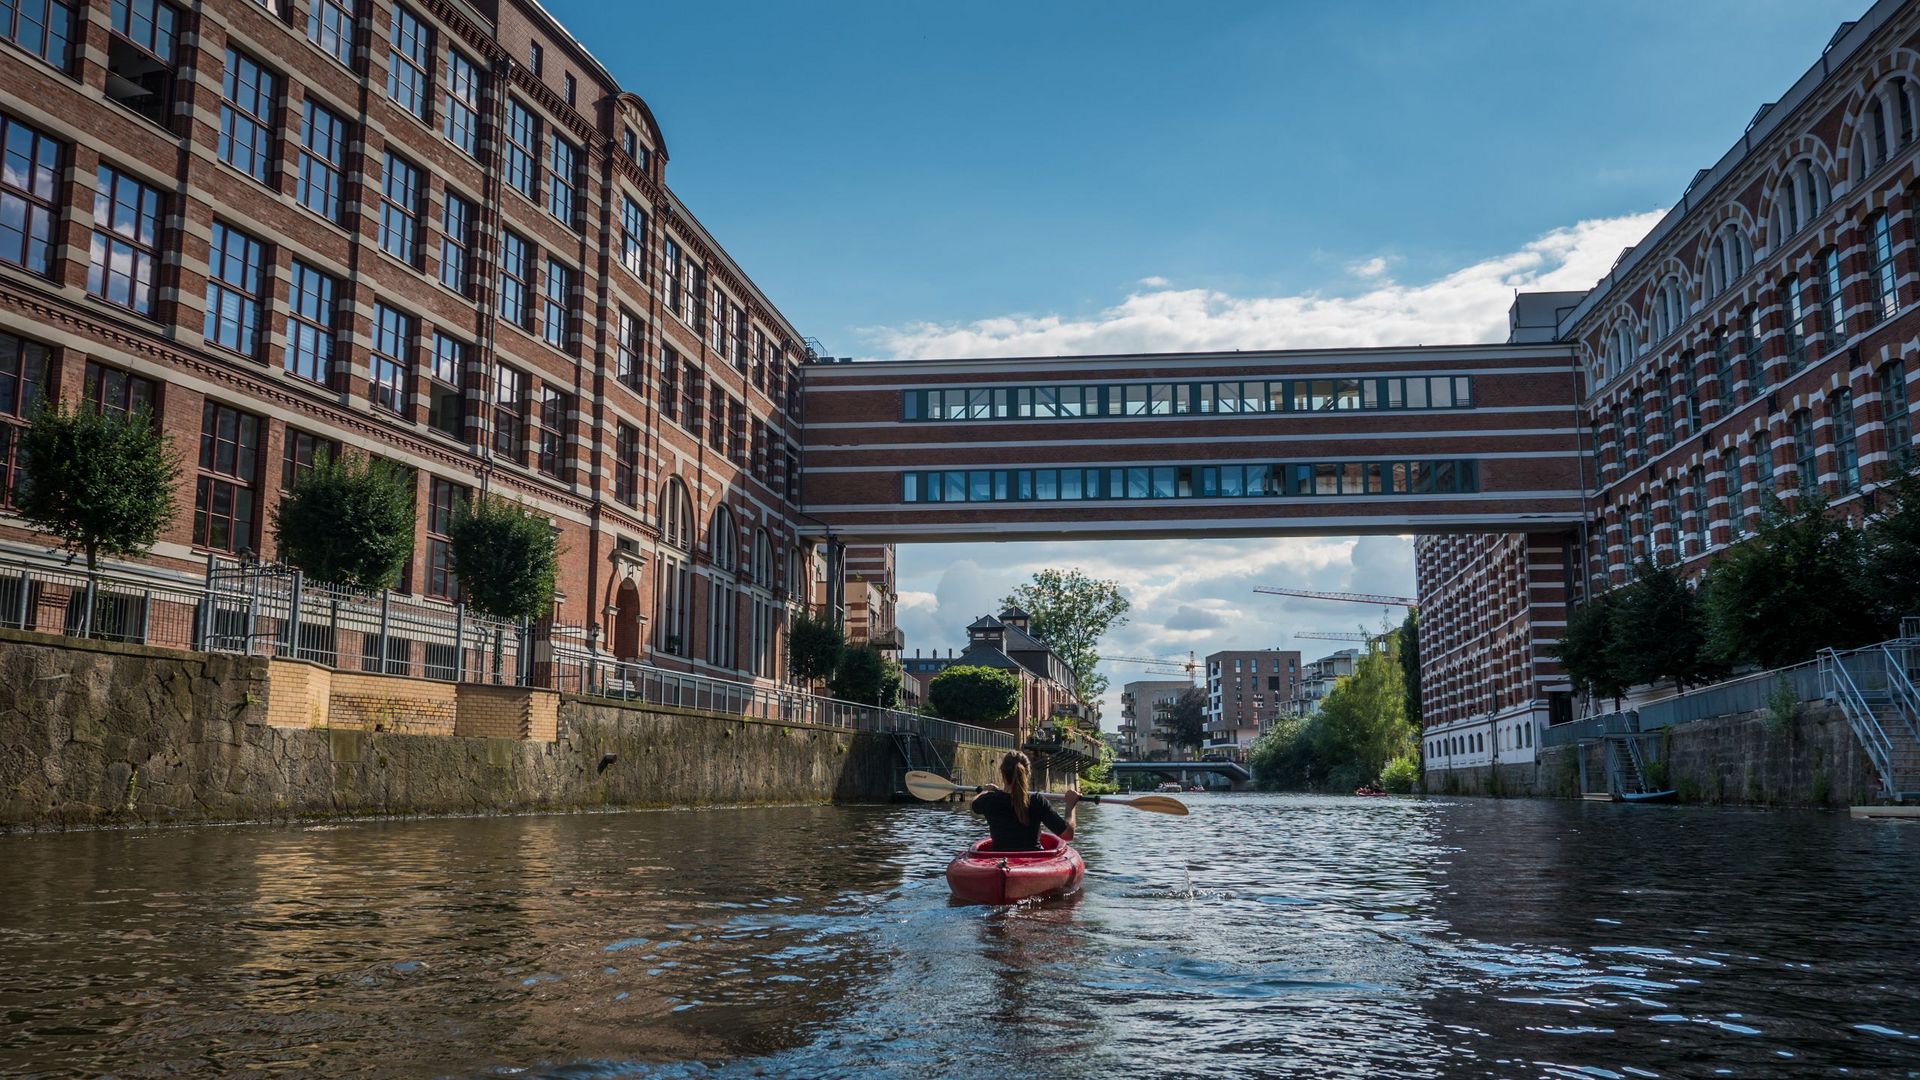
676, 516
1669, 308
723, 594
1797, 199
763, 658
1728, 258
1621, 349
1885, 125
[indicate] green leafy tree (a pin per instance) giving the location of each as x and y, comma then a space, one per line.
100, 482
865, 676
1363, 721
1410, 663
1187, 719
348, 521
1795, 587
814, 645
1071, 611
1282, 757
1097, 778
1893, 554
1586, 649
971, 694
1659, 630
505, 556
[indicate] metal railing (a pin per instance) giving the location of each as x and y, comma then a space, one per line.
57, 599
633, 681
1859, 713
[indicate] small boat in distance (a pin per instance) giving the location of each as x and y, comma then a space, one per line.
1669, 795
1169, 786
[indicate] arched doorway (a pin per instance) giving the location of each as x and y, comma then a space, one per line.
626, 622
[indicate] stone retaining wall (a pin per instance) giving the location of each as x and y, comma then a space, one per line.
93, 733
1747, 759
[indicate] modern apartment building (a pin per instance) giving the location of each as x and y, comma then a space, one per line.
1762, 339
436, 232
1140, 737
1244, 692
1316, 679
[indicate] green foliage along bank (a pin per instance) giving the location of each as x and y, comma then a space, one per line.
971, 694
1361, 727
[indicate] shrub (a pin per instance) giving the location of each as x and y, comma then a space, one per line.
505, 556
866, 677
349, 521
814, 644
1401, 774
969, 694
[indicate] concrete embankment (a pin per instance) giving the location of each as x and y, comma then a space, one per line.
1745, 759
96, 733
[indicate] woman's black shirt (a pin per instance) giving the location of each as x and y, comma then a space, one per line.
1008, 834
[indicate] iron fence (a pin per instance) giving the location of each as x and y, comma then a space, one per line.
57, 599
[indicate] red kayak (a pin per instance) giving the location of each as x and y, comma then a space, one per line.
981, 875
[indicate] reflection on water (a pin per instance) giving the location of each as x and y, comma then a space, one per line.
1263, 936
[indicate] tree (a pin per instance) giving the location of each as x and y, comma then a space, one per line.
1794, 588
1586, 651
349, 521
1363, 721
100, 482
1659, 629
1410, 664
1893, 554
1071, 612
1283, 756
1187, 719
865, 677
505, 557
971, 694
814, 644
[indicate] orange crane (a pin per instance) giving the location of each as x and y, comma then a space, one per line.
1355, 597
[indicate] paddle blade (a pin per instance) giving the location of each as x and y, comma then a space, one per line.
930, 786
1152, 804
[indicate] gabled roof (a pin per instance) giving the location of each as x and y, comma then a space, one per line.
1014, 613
985, 622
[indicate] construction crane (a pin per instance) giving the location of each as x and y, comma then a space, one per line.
1189, 665
1354, 597
1332, 635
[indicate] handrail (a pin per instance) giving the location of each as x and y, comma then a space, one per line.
1903, 692
1639, 761
1859, 715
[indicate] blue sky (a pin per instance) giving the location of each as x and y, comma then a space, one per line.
905, 179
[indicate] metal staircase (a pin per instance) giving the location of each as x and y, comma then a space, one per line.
1874, 689
917, 754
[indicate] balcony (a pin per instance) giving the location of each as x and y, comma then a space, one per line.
891, 637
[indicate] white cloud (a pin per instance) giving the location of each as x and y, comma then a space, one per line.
1197, 595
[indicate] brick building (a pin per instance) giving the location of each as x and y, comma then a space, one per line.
1245, 690
1762, 338
437, 232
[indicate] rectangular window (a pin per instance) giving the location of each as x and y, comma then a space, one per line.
234, 287
401, 197
323, 161
1893, 409
310, 322
516, 279
42, 27
1804, 451
535, 56
141, 57
330, 26
633, 237
1750, 352
1724, 371
29, 169
670, 264
389, 363
1798, 317
692, 402
108, 389
509, 411
626, 464
1846, 447
1882, 277
246, 116
23, 372
630, 349
1736, 495
553, 431
737, 337
670, 384
462, 123
1763, 471
569, 88
523, 148
563, 179
1834, 299
717, 421
226, 502
447, 405
126, 238
456, 243
303, 453
557, 305
407, 61
442, 497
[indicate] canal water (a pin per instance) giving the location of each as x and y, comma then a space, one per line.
1262, 936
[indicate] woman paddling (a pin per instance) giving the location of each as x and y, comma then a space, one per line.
1014, 815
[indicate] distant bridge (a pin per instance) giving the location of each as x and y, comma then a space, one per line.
1182, 770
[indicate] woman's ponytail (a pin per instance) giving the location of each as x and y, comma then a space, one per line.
1017, 771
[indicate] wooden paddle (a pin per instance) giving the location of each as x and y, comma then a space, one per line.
934, 787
